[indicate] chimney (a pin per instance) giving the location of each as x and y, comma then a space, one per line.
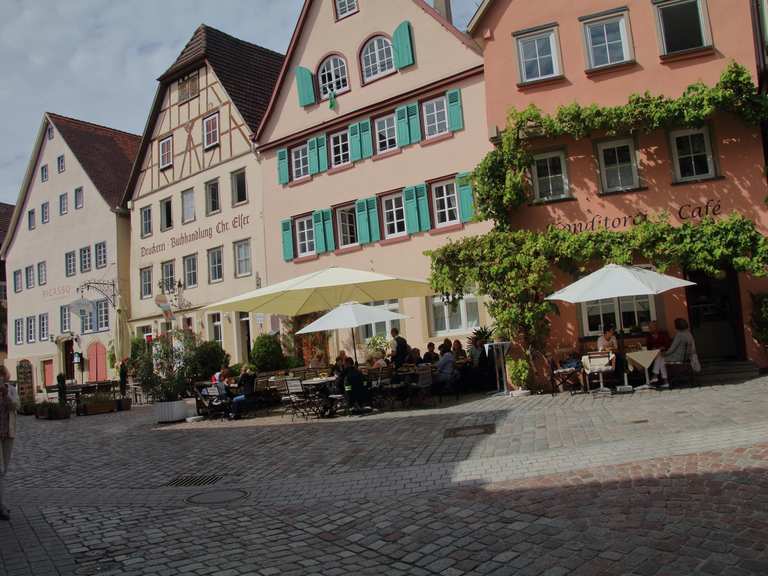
444, 7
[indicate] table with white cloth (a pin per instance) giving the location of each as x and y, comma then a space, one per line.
644, 359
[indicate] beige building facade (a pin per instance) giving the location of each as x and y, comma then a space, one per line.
195, 193
67, 240
378, 113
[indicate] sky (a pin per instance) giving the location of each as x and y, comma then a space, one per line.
98, 60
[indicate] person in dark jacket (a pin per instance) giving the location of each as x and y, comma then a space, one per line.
354, 386
400, 348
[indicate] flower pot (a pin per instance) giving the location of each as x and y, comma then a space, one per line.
171, 411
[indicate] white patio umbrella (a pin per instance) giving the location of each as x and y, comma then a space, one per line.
121, 336
350, 315
323, 290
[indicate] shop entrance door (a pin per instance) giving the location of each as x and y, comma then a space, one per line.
245, 336
714, 310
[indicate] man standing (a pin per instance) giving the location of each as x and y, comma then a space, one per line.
400, 348
9, 402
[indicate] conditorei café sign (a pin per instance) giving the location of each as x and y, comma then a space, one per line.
237, 222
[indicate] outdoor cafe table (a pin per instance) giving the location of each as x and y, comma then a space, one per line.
315, 382
644, 359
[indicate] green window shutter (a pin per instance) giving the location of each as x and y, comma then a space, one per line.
306, 86
455, 112
282, 166
330, 244
414, 122
314, 167
353, 133
422, 202
363, 230
373, 218
366, 143
466, 198
401, 121
322, 153
402, 46
411, 210
287, 228
317, 224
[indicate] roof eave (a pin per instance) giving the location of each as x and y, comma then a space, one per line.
477, 17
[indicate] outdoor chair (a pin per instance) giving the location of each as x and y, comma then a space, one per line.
599, 367
296, 399
423, 385
562, 378
210, 404
681, 373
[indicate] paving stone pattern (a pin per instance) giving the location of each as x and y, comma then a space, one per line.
655, 483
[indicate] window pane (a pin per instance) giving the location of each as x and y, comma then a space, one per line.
473, 313
681, 26
547, 66
438, 316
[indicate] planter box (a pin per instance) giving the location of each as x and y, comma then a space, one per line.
123, 404
171, 411
53, 412
92, 408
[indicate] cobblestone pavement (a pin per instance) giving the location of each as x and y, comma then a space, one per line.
653, 483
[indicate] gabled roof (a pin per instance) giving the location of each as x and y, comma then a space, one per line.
6, 215
297, 31
248, 73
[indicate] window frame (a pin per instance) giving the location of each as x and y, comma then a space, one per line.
462, 307
18, 281
185, 270
49, 131
18, 331
63, 203
392, 305
43, 320
85, 257
70, 271
308, 229
376, 131
606, 144
160, 153
208, 185
377, 61
185, 81
424, 113
674, 135
143, 222
168, 282
334, 78
566, 181
42, 279
220, 250
625, 32
31, 327
61, 164
144, 282
341, 226
166, 202
101, 313
79, 205
552, 34
31, 219
346, 14
207, 145
99, 253
45, 212
383, 201
214, 327
29, 277
232, 177
706, 32
341, 134
436, 211
584, 306
44, 173
294, 173
237, 262
188, 193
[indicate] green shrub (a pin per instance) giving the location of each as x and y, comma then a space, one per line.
377, 344
518, 372
206, 359
267, 354
760, 318
235, 370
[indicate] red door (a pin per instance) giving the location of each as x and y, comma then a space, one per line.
48, 373
97, 362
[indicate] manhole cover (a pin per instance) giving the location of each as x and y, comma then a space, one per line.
464, 431
195, 480
100, 569
217, 497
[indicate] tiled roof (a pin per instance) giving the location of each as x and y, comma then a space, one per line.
6, 214
247, 71
105, 154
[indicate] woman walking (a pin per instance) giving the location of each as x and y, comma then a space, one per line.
9, 402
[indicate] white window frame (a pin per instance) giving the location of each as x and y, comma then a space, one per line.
45, 213
42, 273
86, 322
31, 219
210, 185
438, 210
706, 34
377, 58
165, 157
624, 32
29, 277
340, 140
79, 198
243, 265
300, 161
344, 225
44, 173
435, 118
18, 331
232, 179
145, 282
535, 178
100, 254
63, 203
85, 259
615, 303
102, 315
31, 329
216, 265
70, 263
389, 130
612, 144
187, 201
554, 46
461, 307
65, 318
367, 331
43, 331
211, 131
336, 69
169, 203
674, 135
215, 331
345, 8
305, 236
386, 212
189, 270
145, 215
168, 276
18, 281
60, 163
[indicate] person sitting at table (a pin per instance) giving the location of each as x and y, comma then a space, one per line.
399, 348
430, 356
354, 386
414, 356
607, 343
445, 369
458, 350
318, 360
221, 383
682, 349
338, 366
247, 385
378, 360
657, 339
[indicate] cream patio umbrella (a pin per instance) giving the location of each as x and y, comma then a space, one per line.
323, 290
120, 337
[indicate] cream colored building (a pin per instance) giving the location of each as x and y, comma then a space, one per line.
379, 110
195, 192
66, 234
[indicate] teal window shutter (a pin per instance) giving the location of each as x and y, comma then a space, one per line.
466, 198
455, 112
287, 229
353, 133
282, 166
402, 46
330, 244
422, 202
363, 230
322, 153
414, 123
373, 218
306, 86
411, 210
401, 122
314, 166
366, 143
317, 224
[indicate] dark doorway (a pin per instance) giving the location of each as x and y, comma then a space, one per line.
69, 366
714, 310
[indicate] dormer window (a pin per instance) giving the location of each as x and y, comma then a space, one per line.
332, 76
166, 152
189, 87
377, 58
345, 8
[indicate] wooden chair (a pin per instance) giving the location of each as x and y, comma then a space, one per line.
562, 379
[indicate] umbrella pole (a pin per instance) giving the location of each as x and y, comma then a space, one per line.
354, 346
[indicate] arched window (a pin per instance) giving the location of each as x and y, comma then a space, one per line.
377, 58
332, 76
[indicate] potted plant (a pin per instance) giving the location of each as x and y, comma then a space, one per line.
267, 354
52, 411
61, 387
124, 402
518, 375
99, 403
164, 370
